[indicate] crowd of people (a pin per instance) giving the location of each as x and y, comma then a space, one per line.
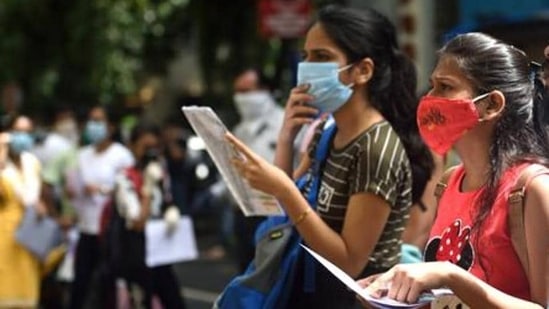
104, 188
376, 215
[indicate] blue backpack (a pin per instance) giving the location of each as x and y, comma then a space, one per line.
267, 281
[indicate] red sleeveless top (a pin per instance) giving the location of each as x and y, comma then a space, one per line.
488, 254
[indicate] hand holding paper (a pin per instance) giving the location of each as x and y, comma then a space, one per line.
213, 132
378, 300
259, 173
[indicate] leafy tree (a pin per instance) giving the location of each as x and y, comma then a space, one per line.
78, 51
85, 52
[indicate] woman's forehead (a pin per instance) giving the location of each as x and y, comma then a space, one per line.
317, 38
448, 68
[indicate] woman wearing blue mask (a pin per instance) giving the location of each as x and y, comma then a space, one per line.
89, 186
377, 165
20, 189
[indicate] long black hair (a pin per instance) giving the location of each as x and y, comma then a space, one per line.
520, 135
392, 88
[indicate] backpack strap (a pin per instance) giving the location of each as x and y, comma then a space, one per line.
321, 153
516, 211
443, 182
314, 175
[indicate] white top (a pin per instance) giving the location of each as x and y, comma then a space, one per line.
97, 169
53, 146
26, 182
261, 133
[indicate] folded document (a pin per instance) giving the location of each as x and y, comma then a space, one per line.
383, 302
209, 127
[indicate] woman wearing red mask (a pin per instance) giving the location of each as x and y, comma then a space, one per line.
481, 104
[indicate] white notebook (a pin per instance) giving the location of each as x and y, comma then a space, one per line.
164, 246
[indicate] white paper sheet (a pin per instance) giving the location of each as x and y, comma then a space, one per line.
164, 247
212, 131
383, 302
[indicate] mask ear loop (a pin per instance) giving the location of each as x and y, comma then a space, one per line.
346, 68
480, 98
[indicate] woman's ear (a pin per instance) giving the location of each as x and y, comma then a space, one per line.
365, 71
494, 107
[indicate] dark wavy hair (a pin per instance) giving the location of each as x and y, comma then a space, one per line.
520, 134
392, 88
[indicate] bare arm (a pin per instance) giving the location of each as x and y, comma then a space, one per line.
478, 294
407, 281
145, 202
536, 216
364, 222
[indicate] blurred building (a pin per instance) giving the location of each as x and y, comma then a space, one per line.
424, 25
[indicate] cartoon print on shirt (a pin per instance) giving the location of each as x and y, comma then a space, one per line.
453, 245
325, 194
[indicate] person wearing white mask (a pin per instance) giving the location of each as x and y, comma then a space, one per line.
260, 116
260, 121
89, 185
62, 136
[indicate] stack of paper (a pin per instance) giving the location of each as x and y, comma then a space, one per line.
209, 127
165, 246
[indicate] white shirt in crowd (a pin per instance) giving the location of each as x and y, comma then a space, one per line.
26, 182
259, 131
98, 169
53, 146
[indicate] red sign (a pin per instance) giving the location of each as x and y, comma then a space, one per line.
284, 18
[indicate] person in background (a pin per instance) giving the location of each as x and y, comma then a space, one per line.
174, 141
57, 154
62, 137
482, 103
20, 188
89, 186
377, 165
260, 121
140, 195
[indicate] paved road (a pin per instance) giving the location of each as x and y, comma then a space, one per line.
202, 280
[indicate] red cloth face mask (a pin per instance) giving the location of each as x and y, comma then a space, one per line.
442, 121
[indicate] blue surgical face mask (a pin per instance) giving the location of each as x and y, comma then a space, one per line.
21, 141
96, 131
324, 84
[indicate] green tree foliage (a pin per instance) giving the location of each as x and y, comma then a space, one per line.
78, 51
85, 52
